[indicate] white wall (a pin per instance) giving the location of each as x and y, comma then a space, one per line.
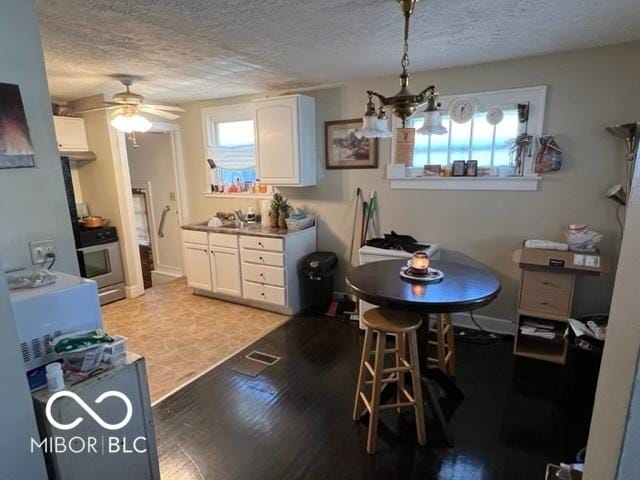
17, 420
588, 90
33, 204
613, 412
152, 162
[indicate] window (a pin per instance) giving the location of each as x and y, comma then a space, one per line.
474, 140
234, 152
230, 144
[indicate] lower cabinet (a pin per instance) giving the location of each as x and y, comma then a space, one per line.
196, 259
260, 271
225, 271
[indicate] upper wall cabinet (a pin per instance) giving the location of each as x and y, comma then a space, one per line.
71, 134
286, 140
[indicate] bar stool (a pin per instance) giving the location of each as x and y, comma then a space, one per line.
403, 325
444, 343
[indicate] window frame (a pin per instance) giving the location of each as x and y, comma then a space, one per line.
535, 96
223, 114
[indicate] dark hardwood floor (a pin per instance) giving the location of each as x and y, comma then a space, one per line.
294, 420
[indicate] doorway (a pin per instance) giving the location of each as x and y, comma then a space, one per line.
154, 183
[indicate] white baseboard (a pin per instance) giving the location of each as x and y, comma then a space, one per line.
160, 276
134, 291
500, 326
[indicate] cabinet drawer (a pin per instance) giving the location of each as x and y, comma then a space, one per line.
223, 240
191, 236
263, 258
547, 282
262, 243
546, 302
264, 293
263, 274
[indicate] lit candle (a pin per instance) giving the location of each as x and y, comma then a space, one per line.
420, 261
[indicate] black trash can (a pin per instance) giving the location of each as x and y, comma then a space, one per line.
317, 271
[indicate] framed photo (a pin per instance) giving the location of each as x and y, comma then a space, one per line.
16, 149
432, 170
458, 168
343, 149
472, 168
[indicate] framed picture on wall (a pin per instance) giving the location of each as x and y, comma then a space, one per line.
343, 149
16, 149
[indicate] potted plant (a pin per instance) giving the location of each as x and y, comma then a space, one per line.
279, 211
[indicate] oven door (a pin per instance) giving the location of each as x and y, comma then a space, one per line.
102, 263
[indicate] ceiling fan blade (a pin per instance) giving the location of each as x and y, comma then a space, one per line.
159, 113
96, 109
171, 108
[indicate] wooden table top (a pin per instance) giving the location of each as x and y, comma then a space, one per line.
463, 287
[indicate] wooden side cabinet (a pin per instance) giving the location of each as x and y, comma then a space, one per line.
547, 285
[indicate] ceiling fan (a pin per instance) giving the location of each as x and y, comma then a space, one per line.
129, 105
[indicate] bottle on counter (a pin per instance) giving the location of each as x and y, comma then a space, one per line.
55, 379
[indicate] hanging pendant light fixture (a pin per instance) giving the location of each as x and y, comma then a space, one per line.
404, 103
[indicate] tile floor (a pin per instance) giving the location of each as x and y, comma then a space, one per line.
182, 335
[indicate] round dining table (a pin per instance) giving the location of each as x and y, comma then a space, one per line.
463, 288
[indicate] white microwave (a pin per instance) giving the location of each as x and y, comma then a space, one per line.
69, 305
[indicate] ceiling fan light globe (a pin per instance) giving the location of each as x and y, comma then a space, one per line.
121, 123
140, 124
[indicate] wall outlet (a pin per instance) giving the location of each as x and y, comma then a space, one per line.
39, 250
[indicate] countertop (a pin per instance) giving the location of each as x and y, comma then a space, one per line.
251, 229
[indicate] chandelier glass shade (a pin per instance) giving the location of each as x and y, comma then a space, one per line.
404, 104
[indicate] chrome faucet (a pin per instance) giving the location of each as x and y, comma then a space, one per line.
239, 218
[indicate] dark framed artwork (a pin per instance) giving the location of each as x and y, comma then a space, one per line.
16, 149
472, 168
343, 149
458, 168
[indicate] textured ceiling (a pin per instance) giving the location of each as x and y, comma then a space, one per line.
198, 49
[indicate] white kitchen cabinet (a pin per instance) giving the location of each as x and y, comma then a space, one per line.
71, 134
260, 271
197, 266
285, 129
226, 271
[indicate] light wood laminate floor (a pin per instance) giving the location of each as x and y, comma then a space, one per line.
182, 335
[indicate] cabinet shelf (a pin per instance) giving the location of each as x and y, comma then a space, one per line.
540, 349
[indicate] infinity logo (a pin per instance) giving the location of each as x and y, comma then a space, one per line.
89, 410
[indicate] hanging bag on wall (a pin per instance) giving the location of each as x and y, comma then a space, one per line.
549, 156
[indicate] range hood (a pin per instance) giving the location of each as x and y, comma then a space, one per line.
78, 156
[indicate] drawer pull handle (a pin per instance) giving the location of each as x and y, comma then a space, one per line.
546, 282
262, 275
260, 243
261, 259
263, 294
544, 303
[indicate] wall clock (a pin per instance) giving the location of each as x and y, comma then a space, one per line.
494, 115
462, 109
